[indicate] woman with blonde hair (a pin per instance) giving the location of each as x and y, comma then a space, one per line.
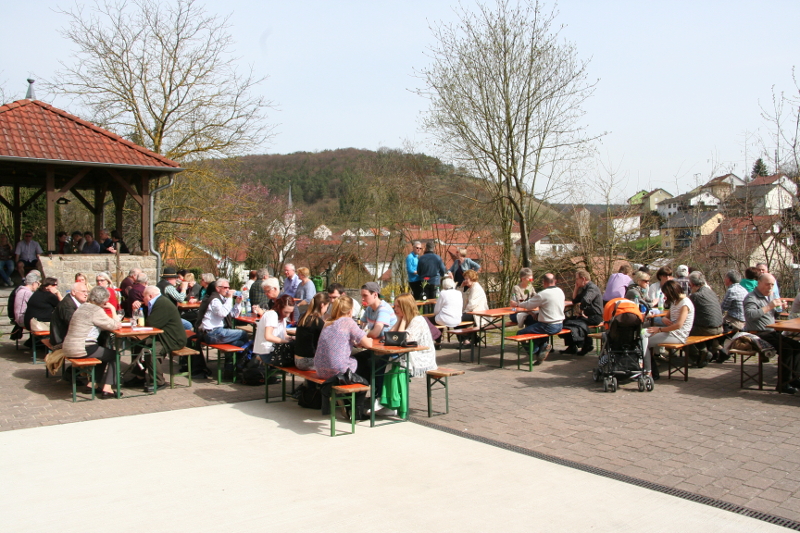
103, 279
305, 291
340, 334
417, 330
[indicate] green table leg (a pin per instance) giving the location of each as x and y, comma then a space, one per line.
154, 361
502, 339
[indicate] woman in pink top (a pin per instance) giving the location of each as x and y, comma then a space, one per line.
338, 337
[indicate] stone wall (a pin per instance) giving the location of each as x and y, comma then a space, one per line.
64, 267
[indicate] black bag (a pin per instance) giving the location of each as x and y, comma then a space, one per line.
283, 355
309, 396
254, 372
398, 338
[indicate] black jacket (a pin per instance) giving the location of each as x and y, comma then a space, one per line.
59, 320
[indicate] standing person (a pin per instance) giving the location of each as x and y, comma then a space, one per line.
474, 297
462, 263
378, 315
588, 302
291, 282
304, 293
28, 251
759, 312
430, 269
412, 259
161, 314
271, 328
677, 326
82, 338
707, 319
522, 292
6, 260
216, 316
618, 284
550, 302
308, 330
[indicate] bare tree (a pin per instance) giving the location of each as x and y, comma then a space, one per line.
506, 96
162, 75
784, 121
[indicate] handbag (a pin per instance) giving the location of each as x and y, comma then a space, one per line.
283, 355
395, 338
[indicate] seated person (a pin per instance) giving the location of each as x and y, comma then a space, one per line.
588, 310
549, 318
707, 319
271, 328
135, 294
338, 337
308, 329
449, 305
759, 313
90, 246
42, 303
103, 279
522, 292
394, 395
474, 297
82, 337
335, 290
677, 326
216, 316
33, 281
378, 315
637, 290
732, 305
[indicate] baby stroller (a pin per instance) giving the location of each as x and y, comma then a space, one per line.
622, 356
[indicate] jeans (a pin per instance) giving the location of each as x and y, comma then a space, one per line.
540, 327
6, 268
237, 337
187, 324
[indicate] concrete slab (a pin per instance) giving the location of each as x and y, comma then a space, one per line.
254, 467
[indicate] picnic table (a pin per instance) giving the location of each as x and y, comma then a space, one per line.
391, 355
791, 326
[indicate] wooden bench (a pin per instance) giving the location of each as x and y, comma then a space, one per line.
681, 347
221, 350
433, 377
744, 376
34, 336
82, 364
182, 352
529, 338
338, 392
344, 394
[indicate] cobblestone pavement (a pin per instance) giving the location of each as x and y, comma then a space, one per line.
706, 436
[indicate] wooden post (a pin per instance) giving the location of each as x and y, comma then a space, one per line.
17, 214
99, 200
50, 208
144, 192
119, 195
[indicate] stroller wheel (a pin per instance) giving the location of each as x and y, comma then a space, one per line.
596, 374
613, 385
605, 384
649, 384
641, 383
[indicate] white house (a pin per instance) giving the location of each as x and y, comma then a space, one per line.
762, 200
690, 200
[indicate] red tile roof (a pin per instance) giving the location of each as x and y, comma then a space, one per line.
766, 180
35, 130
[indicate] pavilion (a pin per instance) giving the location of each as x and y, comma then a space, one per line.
54, 152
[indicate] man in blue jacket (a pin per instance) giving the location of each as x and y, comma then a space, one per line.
430, 269
414, 281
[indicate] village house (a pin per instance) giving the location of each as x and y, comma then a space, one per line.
684, 228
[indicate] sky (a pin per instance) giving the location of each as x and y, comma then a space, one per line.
680, 85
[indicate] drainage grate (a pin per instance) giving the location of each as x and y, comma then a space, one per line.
705, 500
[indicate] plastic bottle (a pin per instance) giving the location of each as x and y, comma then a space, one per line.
248, 307
392, 297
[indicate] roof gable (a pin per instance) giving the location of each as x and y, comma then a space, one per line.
30, 129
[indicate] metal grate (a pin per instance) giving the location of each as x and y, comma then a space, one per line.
691, 496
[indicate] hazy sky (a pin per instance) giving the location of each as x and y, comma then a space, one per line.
680, 83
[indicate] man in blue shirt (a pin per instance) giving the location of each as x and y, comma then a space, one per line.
378, 314
414, 281
431, 268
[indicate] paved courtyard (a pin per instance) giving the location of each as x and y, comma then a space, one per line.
705, 436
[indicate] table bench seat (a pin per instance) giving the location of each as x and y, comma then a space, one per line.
673, 347
222, 349
82, 364
440, 376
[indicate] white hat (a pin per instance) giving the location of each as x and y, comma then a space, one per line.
682, 271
